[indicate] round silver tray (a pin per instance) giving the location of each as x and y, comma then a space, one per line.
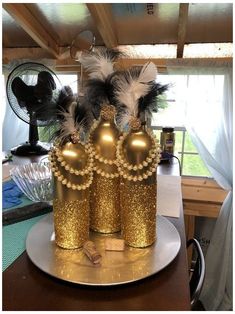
116, 267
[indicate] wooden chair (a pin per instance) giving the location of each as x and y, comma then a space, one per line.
197, 275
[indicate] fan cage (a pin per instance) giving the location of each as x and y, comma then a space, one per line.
28, 72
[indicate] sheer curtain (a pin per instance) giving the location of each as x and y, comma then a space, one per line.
208, 119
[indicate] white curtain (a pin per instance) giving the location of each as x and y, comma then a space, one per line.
209, 114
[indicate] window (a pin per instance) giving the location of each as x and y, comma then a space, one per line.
168, 51
172, 114
70, 80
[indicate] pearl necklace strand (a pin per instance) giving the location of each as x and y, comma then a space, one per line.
67, 167
60, 177
124, 166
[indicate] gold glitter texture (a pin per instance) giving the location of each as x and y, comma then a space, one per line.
105, 197
138, 213
71, 222
105, 204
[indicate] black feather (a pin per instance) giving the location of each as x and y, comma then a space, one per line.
98, 92
49, 110
54, 113
66, 97
149, 103
162, 88
82, 116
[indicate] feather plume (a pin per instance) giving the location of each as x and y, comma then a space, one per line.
83, 117
68, 125
74, 118
149, 103
69, 121
66, 97
146, 74
98, 92
132, 85
99, 64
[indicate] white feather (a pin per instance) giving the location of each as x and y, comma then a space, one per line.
130, 90
69, 125
148, 73
97, 64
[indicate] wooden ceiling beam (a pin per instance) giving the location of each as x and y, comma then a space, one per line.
125, 63
102, 16
23, 16
10, 54
35, 53
70, 65
182, 28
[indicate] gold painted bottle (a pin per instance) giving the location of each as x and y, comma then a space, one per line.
138, 155
105, 193
72, 172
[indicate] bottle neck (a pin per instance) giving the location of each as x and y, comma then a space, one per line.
139, 130
111, 122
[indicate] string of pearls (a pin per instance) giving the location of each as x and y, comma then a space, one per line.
67, 167
151, 161
103, 160
141, 177
105, 174
153, 152
106, 162
60, 177
95, 154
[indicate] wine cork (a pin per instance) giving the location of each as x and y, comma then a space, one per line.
91, 252
113, 244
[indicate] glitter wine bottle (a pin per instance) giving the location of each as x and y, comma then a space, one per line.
138, 154
105, 194
104, 200
71, 164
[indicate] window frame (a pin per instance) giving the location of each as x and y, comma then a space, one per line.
182, 129
182, 152
59, 72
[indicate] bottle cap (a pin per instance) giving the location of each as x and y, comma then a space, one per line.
168, 129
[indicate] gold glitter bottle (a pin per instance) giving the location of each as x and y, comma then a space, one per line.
105, 192
72, 172
138, 155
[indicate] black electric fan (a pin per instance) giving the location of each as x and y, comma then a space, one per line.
32, 92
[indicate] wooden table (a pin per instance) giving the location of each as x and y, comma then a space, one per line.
25, 287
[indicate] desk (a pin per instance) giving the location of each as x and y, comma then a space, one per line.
25, 287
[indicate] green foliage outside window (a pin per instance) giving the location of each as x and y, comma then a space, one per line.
162, 101
192, 163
